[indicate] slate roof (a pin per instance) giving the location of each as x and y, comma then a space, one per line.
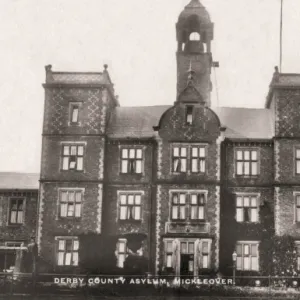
240, 123
20, 181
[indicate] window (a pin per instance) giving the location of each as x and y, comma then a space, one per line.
198, 159
73, 157
297, 157
16, 211
169, 254
67, 252
188, 205
131, 160
194, 36
130, 206
298, 254
74, 113
205, 255
247, 256
189, 114
8, 255
70, 202
121, 252
179, 159
297, 208
189, 158
246, 208
246, 162
178, 206
197, 206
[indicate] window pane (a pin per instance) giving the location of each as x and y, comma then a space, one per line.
298, 167
253, 201
239, 263
72, 162
131, 199
13, 217
194, 165
137, 199
121, 260
239, 215
169, 247
60, 261
175, 152
169, 261
194, 199
183, 152
246, 263
202, 166
132, 153
66, 150
80, 163
194, 152
253, 250
246, 168
239, 155
71, 197
194, 212
239, 201
246, 201
139, 153
201, 213
123, 212
254, 168
75, 114
70, 212
202, 152
20, 217
254, 155
239, 168
137, 212
254, 215
78, 197
205, 247
183, 165
124, 153
63, 210
176, 165
246, 155
124, 166
298, 200
191, 266
254, 263
68, 258
122, 247
75, 259
66, 163
205, 262
298, 215
77, 210
191, 248
73, 150
183, 248
80, 150
239, 250
298, 153
174, 212
61, 245
246, 250
182, 212
182, 198
138, 167
123, 199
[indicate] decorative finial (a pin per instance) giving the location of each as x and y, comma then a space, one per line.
48, 68
105, 67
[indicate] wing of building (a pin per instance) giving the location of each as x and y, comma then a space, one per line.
199, 182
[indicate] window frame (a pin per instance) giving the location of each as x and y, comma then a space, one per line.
23, 199
249, 244
188, 206
296, 160
243, 161
65, 251
118, 253
127, 194
63, 155
296, 207
250, 196
189, 158
71, 109
59, 202
131, 160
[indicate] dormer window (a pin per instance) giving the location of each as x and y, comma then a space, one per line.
194, 36
189, 115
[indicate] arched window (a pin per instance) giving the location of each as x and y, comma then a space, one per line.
194, 36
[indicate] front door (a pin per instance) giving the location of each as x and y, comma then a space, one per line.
186, 264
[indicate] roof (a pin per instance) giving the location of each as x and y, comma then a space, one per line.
288, 80
77, 77
20, 181
195, 8
240, 123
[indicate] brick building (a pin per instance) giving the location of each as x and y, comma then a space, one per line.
18, 215
200, 182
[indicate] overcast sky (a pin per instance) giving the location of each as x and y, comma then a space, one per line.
136, 38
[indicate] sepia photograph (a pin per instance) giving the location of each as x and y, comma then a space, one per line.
150, 149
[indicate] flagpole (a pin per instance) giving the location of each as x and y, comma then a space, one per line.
281, 17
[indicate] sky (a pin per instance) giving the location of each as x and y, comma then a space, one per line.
137, 39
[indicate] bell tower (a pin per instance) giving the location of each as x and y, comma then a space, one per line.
194, 35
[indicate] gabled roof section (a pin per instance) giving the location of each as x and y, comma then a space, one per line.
240, 123
135, 122
19, 181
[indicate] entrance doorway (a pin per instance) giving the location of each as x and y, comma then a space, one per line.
187, 258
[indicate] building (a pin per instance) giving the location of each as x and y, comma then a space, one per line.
200, 181
18, 216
